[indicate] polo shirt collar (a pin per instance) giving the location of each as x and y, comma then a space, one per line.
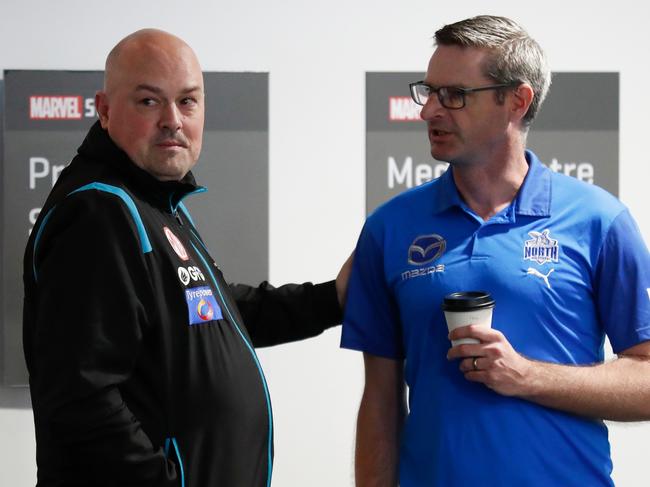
533, 197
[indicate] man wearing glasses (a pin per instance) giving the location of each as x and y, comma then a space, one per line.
564, 261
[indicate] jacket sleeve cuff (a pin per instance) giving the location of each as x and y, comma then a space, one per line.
326, 304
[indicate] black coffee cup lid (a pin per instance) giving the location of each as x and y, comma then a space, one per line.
467, 300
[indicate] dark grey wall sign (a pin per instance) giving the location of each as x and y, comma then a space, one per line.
575, 133
2, 335
48, 113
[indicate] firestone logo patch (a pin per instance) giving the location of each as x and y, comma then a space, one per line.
541, 248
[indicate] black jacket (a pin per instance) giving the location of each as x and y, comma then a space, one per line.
141, 360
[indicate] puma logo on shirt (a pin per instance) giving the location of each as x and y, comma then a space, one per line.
544, 277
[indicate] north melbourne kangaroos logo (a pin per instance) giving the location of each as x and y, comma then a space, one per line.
541, 248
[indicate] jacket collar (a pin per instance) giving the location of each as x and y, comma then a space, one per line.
164, 194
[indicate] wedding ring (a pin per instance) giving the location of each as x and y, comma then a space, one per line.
474, 364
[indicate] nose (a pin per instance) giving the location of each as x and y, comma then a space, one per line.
432, 109
170, 118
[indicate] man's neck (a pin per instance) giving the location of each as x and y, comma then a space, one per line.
489, 186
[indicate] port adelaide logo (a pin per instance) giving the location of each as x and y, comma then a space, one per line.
176, 244
541, 248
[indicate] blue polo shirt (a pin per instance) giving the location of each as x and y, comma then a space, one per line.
566, 265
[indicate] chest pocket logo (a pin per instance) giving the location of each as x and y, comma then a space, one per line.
541, 248
544, 277
202, 305
426, 248
185, 274
176, 244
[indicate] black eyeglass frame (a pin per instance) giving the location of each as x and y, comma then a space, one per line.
458, 90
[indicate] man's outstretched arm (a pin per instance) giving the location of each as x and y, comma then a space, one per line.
293, 311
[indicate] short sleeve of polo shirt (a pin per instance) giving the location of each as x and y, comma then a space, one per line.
623, 284
371, 323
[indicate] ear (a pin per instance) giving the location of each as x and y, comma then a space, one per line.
101, 105
522, 97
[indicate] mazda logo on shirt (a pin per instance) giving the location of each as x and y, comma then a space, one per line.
426, 248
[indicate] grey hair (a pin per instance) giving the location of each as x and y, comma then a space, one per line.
515, 56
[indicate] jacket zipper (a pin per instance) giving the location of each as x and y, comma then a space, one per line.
178, 456
248, 346
175, 213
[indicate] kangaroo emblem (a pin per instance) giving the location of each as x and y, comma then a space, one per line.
536, 273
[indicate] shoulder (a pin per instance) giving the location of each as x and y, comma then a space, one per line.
591, 211
91, 207
588, 201
79, 175
407, 206
90, 213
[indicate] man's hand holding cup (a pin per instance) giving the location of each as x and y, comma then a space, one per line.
485, 354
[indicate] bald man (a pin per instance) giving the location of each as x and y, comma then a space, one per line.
141, 358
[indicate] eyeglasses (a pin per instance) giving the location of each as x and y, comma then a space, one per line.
450, 97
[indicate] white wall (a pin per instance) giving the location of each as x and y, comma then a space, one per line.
317, 54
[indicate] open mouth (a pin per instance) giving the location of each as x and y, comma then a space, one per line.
439, 133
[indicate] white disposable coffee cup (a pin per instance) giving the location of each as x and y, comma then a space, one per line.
468, 308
